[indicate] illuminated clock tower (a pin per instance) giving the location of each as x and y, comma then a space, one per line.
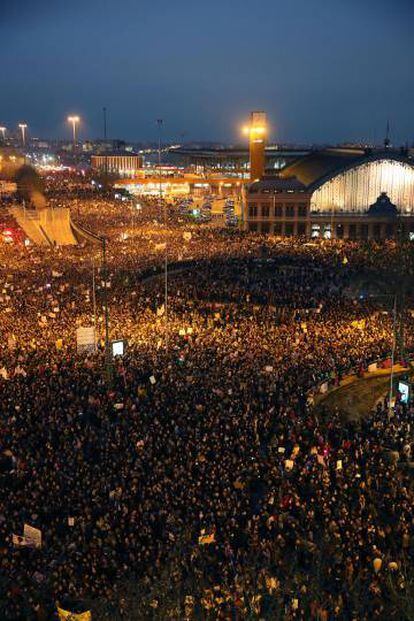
257, 142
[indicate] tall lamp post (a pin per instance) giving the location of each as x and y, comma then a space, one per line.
160, 124
74, 120
23, 127
3, 133
108, 357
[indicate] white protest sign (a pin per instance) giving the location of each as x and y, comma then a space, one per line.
85, 339
19, 541
324, 387
33, 536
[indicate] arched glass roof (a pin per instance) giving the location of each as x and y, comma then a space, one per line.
354, 189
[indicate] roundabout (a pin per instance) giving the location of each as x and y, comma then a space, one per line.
198, 483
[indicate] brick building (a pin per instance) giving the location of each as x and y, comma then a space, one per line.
278, 206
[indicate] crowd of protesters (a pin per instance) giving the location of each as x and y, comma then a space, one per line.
193, 479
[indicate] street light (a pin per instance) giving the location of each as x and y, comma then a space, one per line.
23, 127
160, 124
3, 132
74, 120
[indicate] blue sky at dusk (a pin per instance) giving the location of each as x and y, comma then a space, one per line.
324, 70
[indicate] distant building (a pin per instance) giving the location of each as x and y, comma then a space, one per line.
122, 164
234, 160
350, 193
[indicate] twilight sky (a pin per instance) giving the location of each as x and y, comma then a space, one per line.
324, 70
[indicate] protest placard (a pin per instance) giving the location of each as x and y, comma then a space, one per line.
33, 536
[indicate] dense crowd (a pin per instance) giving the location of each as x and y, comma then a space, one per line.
198, 482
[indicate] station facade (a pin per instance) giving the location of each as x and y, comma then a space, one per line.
336, 193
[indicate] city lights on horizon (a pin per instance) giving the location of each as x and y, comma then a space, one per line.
74, 121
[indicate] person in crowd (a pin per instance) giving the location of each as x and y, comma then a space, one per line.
198, 482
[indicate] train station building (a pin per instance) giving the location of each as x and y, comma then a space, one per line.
336, 193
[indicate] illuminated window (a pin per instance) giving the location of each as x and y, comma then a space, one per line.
327, 233
316, 230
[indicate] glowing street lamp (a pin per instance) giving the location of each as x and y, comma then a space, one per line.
74, 120
3, 133
23, 127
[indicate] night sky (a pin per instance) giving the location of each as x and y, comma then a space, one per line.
324, 70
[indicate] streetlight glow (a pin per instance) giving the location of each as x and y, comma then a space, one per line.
23, 127
253, 129
74, 120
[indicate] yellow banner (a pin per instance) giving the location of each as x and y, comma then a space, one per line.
65, 615
360, 324
204, 540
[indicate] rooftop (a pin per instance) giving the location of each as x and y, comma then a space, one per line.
116, 154
317, 167
273, 185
